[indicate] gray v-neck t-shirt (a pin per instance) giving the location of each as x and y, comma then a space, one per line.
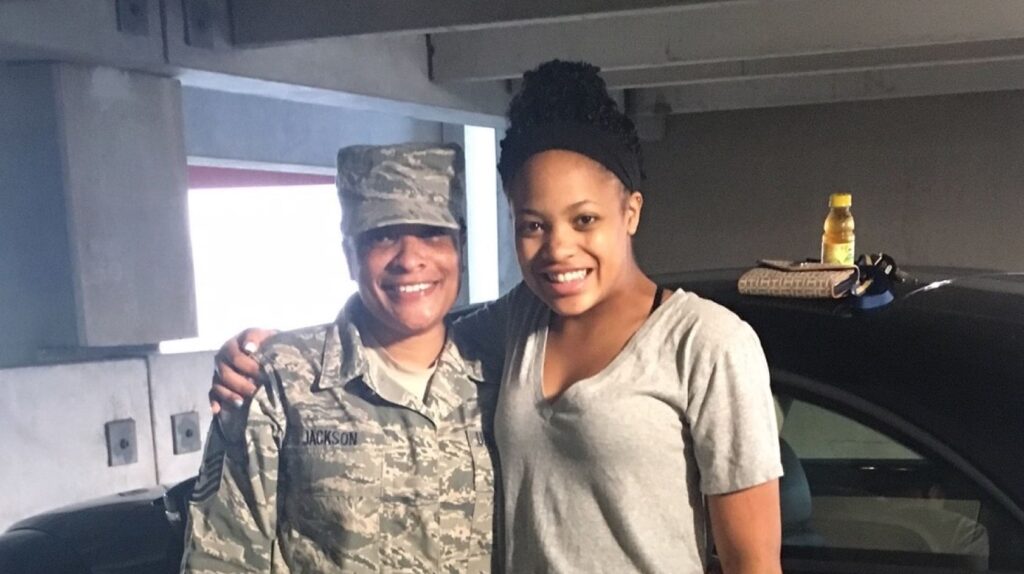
610, 476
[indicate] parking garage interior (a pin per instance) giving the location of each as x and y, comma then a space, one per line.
751, 114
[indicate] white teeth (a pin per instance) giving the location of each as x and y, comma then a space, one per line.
567, 277
414, 288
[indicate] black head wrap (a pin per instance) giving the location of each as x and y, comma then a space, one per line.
566, 105
584, 139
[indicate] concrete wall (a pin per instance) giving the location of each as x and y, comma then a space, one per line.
36, 293
95, 250
238, 127
126, 196
935, 181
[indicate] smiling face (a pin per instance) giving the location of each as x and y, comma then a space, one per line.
408, 277
574, 224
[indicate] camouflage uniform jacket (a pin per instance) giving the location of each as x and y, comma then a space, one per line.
341, 470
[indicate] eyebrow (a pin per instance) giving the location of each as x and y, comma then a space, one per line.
573, 207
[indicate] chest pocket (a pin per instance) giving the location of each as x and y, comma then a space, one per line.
482, 528
483, 465
466, 495
333, 472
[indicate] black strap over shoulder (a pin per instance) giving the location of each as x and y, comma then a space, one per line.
659, 293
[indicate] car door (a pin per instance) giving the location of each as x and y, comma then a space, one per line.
865, 492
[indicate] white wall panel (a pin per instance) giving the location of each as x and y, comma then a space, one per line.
179, 384
52, 431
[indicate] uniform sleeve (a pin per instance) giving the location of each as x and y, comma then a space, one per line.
731, 415
233, 510
482, 334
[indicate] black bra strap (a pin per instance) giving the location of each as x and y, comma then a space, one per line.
659, 292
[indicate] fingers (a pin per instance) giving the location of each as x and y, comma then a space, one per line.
221, 398
236, 370
231, 358
250, 339
238, 351
234, 361
232, 385
225, 396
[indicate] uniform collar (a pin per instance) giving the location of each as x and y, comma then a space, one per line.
472, 367
345, 360
454, 382
344, 354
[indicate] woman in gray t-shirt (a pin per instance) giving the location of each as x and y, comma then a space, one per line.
622, 405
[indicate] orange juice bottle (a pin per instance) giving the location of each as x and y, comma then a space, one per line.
837, 242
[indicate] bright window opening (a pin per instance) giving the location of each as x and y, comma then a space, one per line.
264, 256
482, 213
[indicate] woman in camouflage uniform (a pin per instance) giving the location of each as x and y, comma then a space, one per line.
363, 447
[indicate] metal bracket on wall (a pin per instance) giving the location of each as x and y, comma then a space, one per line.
121, 442
185, 427
133, 17
207, 23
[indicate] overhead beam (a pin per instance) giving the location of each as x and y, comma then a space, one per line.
344, 72
258, 22
726, 32
781, 66
465, 111
830, 87
368, 72
83, 31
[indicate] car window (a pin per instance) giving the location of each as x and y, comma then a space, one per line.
854, 494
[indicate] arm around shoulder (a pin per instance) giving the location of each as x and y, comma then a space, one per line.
482, 334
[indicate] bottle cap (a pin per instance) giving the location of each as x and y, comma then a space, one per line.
840, 200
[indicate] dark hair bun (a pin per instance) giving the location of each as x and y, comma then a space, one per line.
563, 92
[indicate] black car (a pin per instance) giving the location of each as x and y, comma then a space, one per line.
135, 532
901, 427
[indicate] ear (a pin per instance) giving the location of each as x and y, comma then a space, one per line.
351, 257
634, 205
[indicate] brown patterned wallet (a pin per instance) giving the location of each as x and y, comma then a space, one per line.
809, 280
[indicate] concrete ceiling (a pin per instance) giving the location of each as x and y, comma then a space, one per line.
685, 56
457, 60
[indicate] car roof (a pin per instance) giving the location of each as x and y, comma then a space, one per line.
946, 356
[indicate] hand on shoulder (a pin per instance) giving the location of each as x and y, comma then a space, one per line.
236, 370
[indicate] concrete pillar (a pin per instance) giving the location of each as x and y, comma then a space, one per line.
94, 250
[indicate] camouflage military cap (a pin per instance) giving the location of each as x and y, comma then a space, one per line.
400, 184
